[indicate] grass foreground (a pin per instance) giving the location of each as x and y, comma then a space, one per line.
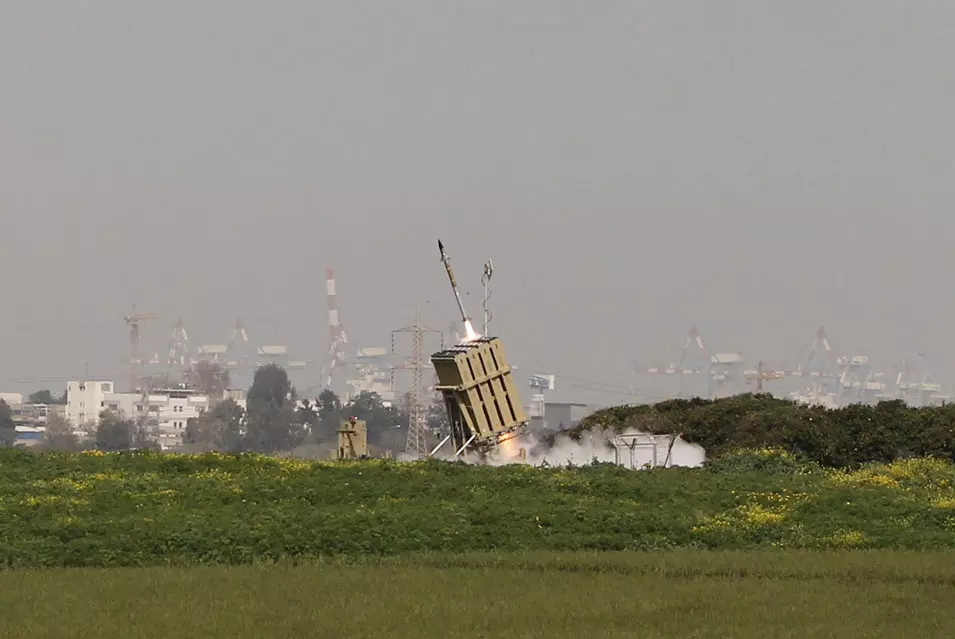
139, 509
802, 594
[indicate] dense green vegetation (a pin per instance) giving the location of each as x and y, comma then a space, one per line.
100, 509
8, 430
841, 438
555, 595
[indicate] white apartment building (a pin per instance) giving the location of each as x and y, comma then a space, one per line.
86, 400
168, 410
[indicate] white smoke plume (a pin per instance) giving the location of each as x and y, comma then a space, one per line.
594, 445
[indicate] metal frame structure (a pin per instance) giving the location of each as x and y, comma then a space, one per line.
635, 441
419, 400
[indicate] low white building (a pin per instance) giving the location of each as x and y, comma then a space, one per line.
167, 410
11, 398
37, 414
28, 436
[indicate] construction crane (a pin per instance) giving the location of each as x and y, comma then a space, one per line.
719, 370
918, 393
691, 363
133, 320
859, 382
179, 346
821, 368
761, 374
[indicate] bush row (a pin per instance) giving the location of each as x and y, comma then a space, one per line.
840, 438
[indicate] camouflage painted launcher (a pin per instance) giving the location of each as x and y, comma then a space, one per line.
479, 393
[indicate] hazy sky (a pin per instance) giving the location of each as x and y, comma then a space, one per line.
632, 168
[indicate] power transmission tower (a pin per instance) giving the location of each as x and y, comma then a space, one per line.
418, 402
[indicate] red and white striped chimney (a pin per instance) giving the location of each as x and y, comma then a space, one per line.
336, 333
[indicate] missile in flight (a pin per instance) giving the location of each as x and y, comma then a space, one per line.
454, 285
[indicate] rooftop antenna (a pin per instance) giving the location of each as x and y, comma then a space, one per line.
485, 280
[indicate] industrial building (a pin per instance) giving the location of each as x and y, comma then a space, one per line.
550, 416
555, 416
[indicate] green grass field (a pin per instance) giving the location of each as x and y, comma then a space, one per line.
757, 544
799, 594
154, 509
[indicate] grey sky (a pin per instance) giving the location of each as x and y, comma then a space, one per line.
631, 167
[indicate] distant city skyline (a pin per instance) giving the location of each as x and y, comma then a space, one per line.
633, 168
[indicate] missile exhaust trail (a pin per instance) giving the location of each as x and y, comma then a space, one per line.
454, 284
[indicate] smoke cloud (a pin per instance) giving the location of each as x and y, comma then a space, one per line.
595, 445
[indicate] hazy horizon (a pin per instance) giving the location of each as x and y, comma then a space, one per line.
632, 168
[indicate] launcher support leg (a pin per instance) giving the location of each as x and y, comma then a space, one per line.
466, 444
438, 447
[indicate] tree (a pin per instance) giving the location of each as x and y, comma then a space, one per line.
369, 407
114, 433
329, 415
273, 423
59, 435
146, 434
271, 388
41, 397
329, 403
8, 429
308, 415
46, 397
217, 429
209, 378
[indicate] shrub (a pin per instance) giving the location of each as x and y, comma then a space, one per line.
842, 438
